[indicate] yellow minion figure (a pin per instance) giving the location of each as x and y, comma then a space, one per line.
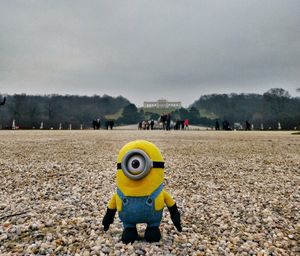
140, 195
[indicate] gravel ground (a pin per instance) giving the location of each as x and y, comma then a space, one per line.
238, 192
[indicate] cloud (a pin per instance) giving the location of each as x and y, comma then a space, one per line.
146, 50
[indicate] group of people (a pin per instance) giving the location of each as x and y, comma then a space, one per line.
146, 125
226, 126
181, 124
165, 119
164, 123
109, 124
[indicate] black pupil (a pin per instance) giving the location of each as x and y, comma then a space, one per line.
135, 164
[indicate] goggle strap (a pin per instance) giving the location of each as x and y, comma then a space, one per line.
158, 165
155, 165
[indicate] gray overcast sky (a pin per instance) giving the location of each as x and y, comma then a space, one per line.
147, 49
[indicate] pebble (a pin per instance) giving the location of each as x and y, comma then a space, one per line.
106, 249
119, 245
96, 248
3, 237
86, 253
34, 226
140, 252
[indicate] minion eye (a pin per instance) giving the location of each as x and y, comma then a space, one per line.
136, 164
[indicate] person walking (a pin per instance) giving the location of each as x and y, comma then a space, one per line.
152, 124
217, 125
168, 122
186, 124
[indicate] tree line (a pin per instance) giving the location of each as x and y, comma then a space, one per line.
275, 105
29, 111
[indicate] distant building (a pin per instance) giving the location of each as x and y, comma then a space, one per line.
162, 103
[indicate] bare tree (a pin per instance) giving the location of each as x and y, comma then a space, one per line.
298, 89
3, 101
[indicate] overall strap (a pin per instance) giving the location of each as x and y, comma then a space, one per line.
155, 193
122, 196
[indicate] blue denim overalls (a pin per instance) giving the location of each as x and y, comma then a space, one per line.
140, 209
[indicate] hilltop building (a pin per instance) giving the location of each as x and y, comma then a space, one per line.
162, 103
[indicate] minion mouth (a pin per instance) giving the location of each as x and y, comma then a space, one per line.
136, 164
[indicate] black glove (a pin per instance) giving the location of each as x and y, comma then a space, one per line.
108, 218
175, 217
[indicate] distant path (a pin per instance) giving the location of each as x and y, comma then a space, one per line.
135, 127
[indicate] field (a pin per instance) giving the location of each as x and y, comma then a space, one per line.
238, 192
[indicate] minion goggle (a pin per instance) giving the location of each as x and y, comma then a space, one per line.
136, 164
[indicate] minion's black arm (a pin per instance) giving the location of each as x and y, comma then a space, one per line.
175, 217
108, 218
